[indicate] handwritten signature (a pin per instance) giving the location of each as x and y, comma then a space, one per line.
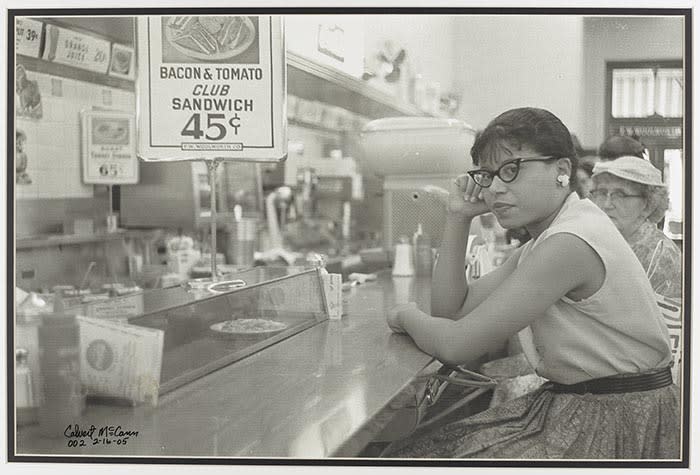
105, 435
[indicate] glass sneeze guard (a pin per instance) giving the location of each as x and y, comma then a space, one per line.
205, 331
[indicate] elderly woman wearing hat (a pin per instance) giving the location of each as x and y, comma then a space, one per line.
630, 191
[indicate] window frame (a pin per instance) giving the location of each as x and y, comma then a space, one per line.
613, 124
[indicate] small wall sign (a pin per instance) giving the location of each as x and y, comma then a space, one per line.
109, 148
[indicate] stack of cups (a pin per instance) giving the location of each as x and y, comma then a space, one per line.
403, 259
242, 240
403, 267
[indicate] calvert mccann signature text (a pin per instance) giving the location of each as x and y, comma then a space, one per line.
92, 435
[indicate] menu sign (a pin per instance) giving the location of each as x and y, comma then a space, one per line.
76, 49
27, 36
211, 87
122, 361
109, 148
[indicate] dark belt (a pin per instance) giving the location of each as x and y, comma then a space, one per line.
617, 384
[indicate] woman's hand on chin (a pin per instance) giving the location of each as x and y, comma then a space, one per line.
393, 317
466, 198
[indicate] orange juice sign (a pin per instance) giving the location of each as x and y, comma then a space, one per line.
211, 87
76, 49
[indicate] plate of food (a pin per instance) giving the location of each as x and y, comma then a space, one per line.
210, 37
248, 327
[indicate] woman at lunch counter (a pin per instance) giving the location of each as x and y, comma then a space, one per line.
630, 191
600, 338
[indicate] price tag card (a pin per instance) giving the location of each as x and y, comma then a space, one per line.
119, 307
211, 87
76, 49
109, 148
27, 36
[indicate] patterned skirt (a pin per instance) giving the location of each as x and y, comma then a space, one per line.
548, 425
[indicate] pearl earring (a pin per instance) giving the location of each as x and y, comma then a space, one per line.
563, 180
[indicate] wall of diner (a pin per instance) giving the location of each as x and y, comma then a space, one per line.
53, 145
502, 62
53, 148
620, 39
428, 39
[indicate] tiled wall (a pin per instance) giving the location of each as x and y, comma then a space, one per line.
57, 193
53, 141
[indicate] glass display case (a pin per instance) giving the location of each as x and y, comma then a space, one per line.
207, 327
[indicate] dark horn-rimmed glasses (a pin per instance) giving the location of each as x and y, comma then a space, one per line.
507, 172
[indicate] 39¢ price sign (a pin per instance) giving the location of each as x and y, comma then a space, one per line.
211, 87
27, 36
109, 148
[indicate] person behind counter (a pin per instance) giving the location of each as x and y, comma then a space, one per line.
619, 146
584, 174
601, 339
631, 192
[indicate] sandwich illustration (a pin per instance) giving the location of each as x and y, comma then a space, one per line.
210, 37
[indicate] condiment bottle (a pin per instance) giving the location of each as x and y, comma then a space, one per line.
24, 389
423, 253
62, 400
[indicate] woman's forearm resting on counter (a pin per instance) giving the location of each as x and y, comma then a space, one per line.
521, 297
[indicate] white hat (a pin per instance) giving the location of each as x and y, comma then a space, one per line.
631, 168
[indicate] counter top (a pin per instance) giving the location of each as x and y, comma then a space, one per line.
49, 240
312, 395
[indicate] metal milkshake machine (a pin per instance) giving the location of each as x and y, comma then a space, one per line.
410, 153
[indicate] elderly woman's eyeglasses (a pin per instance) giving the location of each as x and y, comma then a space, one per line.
507, 172
616, 197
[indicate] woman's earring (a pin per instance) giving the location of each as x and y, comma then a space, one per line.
563, 180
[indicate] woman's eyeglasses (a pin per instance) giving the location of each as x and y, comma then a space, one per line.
616, 197
506, 172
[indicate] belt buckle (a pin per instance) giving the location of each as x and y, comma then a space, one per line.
431, 390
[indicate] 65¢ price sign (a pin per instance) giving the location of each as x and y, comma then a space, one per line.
211, 87
109, 148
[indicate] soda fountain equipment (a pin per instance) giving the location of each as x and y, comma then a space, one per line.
411, 153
